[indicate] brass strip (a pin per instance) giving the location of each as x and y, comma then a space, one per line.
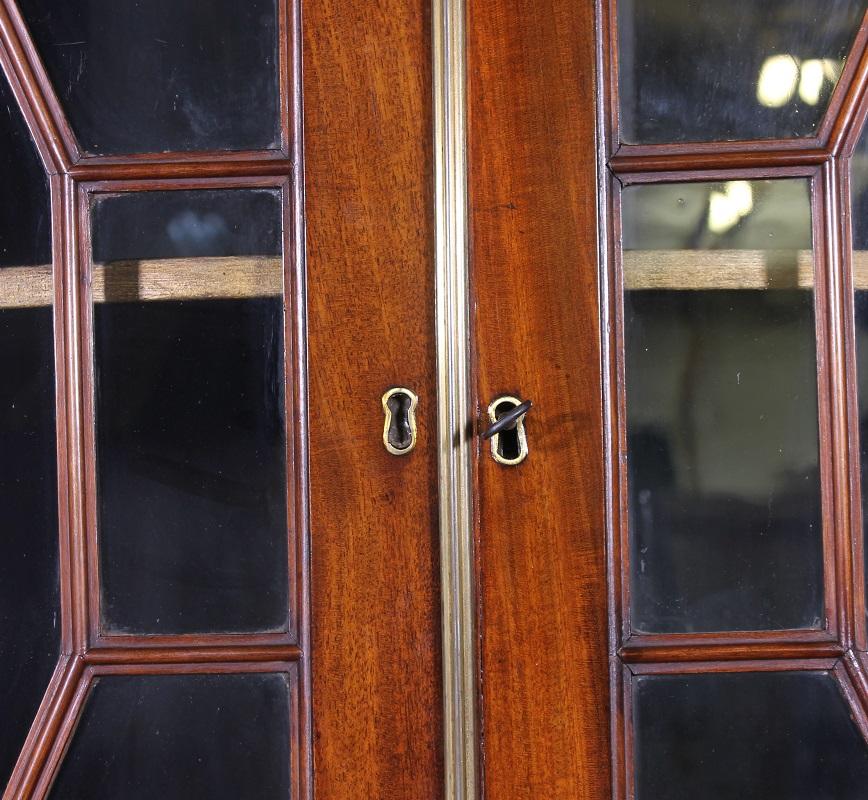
454, 400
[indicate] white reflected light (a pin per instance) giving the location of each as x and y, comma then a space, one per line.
722, 213
832, 69
811, 81
740, 194
778, 79
726, 208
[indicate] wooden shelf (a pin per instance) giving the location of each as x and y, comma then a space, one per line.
25, 287
234, 277
723, 269
239, 277
728, 269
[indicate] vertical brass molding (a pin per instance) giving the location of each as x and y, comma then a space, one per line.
454, 400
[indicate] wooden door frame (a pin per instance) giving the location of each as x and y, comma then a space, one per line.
86, 654
823, 160
502, 135
73, 174
534, 178
465, 567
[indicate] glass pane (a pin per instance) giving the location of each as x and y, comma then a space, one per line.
859, 195
753, 736
177, 737
191, 440
29, 588
722, 426
743, 69
203, 76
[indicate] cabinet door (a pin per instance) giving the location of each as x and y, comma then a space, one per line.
667, 211
541, 534
219, 562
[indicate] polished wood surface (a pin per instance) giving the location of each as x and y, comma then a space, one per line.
555, 659
377, 705
542, 579
368, 308
370, 304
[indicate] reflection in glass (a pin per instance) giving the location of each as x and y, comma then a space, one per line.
722, 425
165, 75
191, 440
708, 71
754, 736
178, 737
29, 571
859, 195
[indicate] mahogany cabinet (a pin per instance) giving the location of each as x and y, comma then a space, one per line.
449, 398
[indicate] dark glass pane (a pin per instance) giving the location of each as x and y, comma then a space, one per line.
722, 427
191, 442
29, 591
25, 214
162, 75
706, 71
859, 195
177, 737
747, 736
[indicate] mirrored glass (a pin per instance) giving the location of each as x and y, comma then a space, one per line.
721, 396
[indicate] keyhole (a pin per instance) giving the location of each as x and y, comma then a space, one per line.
508, 444
399, 433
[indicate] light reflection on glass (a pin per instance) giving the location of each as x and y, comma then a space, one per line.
783, 76
721, 395
859, 266
778, 79
726, 208
707, 71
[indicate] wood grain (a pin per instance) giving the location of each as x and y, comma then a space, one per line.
375, 574
759, 157
542, 576
731, 646
371, 317
847, 108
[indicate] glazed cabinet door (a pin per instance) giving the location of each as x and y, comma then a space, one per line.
667, 209
218, 565
407, 400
